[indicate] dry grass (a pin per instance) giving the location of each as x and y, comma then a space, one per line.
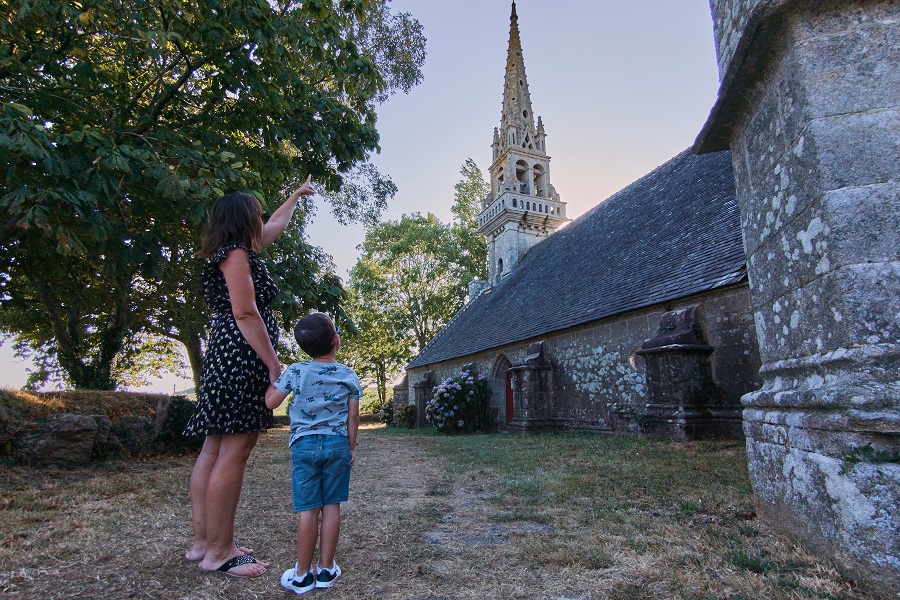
115, 405
541, 516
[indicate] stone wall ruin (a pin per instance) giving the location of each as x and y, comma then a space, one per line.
809, 105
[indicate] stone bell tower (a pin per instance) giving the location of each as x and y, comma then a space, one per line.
523, 207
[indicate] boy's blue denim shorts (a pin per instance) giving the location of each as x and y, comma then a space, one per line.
321, 471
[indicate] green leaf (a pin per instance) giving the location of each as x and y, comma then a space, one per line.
20, 108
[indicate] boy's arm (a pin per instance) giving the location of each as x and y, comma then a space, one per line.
274, 397
352, 426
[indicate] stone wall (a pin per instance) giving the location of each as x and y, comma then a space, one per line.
594, 377
68, 440
810, 107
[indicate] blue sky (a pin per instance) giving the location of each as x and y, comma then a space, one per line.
621, 86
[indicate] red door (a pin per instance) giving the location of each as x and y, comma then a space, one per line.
509, 397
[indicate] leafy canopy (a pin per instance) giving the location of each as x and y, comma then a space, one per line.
411, 278
121, 122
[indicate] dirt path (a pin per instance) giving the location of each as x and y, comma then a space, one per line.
118, 530
413, 531
419, 528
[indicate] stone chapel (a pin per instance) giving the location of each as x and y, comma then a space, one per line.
637, 316
634, 317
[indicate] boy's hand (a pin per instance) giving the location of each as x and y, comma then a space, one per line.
274, 397
352, 457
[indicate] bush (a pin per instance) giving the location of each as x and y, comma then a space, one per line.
386, 414
406, 416
458, 403
372, 407
170, 438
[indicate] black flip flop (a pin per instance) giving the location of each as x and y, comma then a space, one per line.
237, 545
243, 559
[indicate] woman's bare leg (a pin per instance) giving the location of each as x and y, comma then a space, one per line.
222, 493
199, 482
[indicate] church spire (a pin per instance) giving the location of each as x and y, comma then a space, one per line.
523, 207
517, 120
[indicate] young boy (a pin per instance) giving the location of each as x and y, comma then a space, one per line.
324, 420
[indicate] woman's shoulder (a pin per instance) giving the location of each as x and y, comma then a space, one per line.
222, 253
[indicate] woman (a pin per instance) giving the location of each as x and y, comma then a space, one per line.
238, 366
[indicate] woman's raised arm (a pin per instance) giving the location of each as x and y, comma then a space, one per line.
279, 220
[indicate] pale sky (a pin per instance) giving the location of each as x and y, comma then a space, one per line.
622, 87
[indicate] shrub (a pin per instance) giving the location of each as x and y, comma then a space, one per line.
458, 403
373, 406
405, 416
386, 414
170, 438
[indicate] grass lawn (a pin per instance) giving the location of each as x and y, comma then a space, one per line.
557, 516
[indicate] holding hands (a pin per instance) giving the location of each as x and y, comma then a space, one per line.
274, 373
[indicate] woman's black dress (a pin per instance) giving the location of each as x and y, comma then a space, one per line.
234, 379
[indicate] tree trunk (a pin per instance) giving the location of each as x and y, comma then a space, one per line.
381, 380
194, 350
68, 332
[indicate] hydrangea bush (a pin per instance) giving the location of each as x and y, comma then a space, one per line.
458, 403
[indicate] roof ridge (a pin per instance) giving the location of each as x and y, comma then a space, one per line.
672, 233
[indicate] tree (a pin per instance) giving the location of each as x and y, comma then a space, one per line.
469, 196
408, 269
374, 349
121, 122
412, 277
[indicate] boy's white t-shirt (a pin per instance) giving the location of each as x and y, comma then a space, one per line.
322, 392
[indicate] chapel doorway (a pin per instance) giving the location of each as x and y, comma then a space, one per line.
509, 397
501, 393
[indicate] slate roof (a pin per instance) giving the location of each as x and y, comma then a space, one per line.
672, 233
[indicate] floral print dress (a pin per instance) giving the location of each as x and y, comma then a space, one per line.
233, 382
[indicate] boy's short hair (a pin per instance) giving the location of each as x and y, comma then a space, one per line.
315, 333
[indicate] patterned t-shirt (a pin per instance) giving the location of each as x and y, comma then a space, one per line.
322, 392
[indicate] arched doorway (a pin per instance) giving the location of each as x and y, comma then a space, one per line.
509, 398
501, 392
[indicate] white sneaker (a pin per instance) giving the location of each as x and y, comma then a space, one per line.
325, 578
301, 585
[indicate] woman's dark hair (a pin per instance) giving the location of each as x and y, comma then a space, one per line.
234, 218
315, 333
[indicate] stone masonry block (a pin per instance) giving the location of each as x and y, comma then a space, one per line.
838, 18
782, 184
776, 101
828, 431
864, 224
639, 328
847, 60
854, 305
853, 515
855, 150
802, 322
730, 18
871, 301
858, 383
790, 259
850, 226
